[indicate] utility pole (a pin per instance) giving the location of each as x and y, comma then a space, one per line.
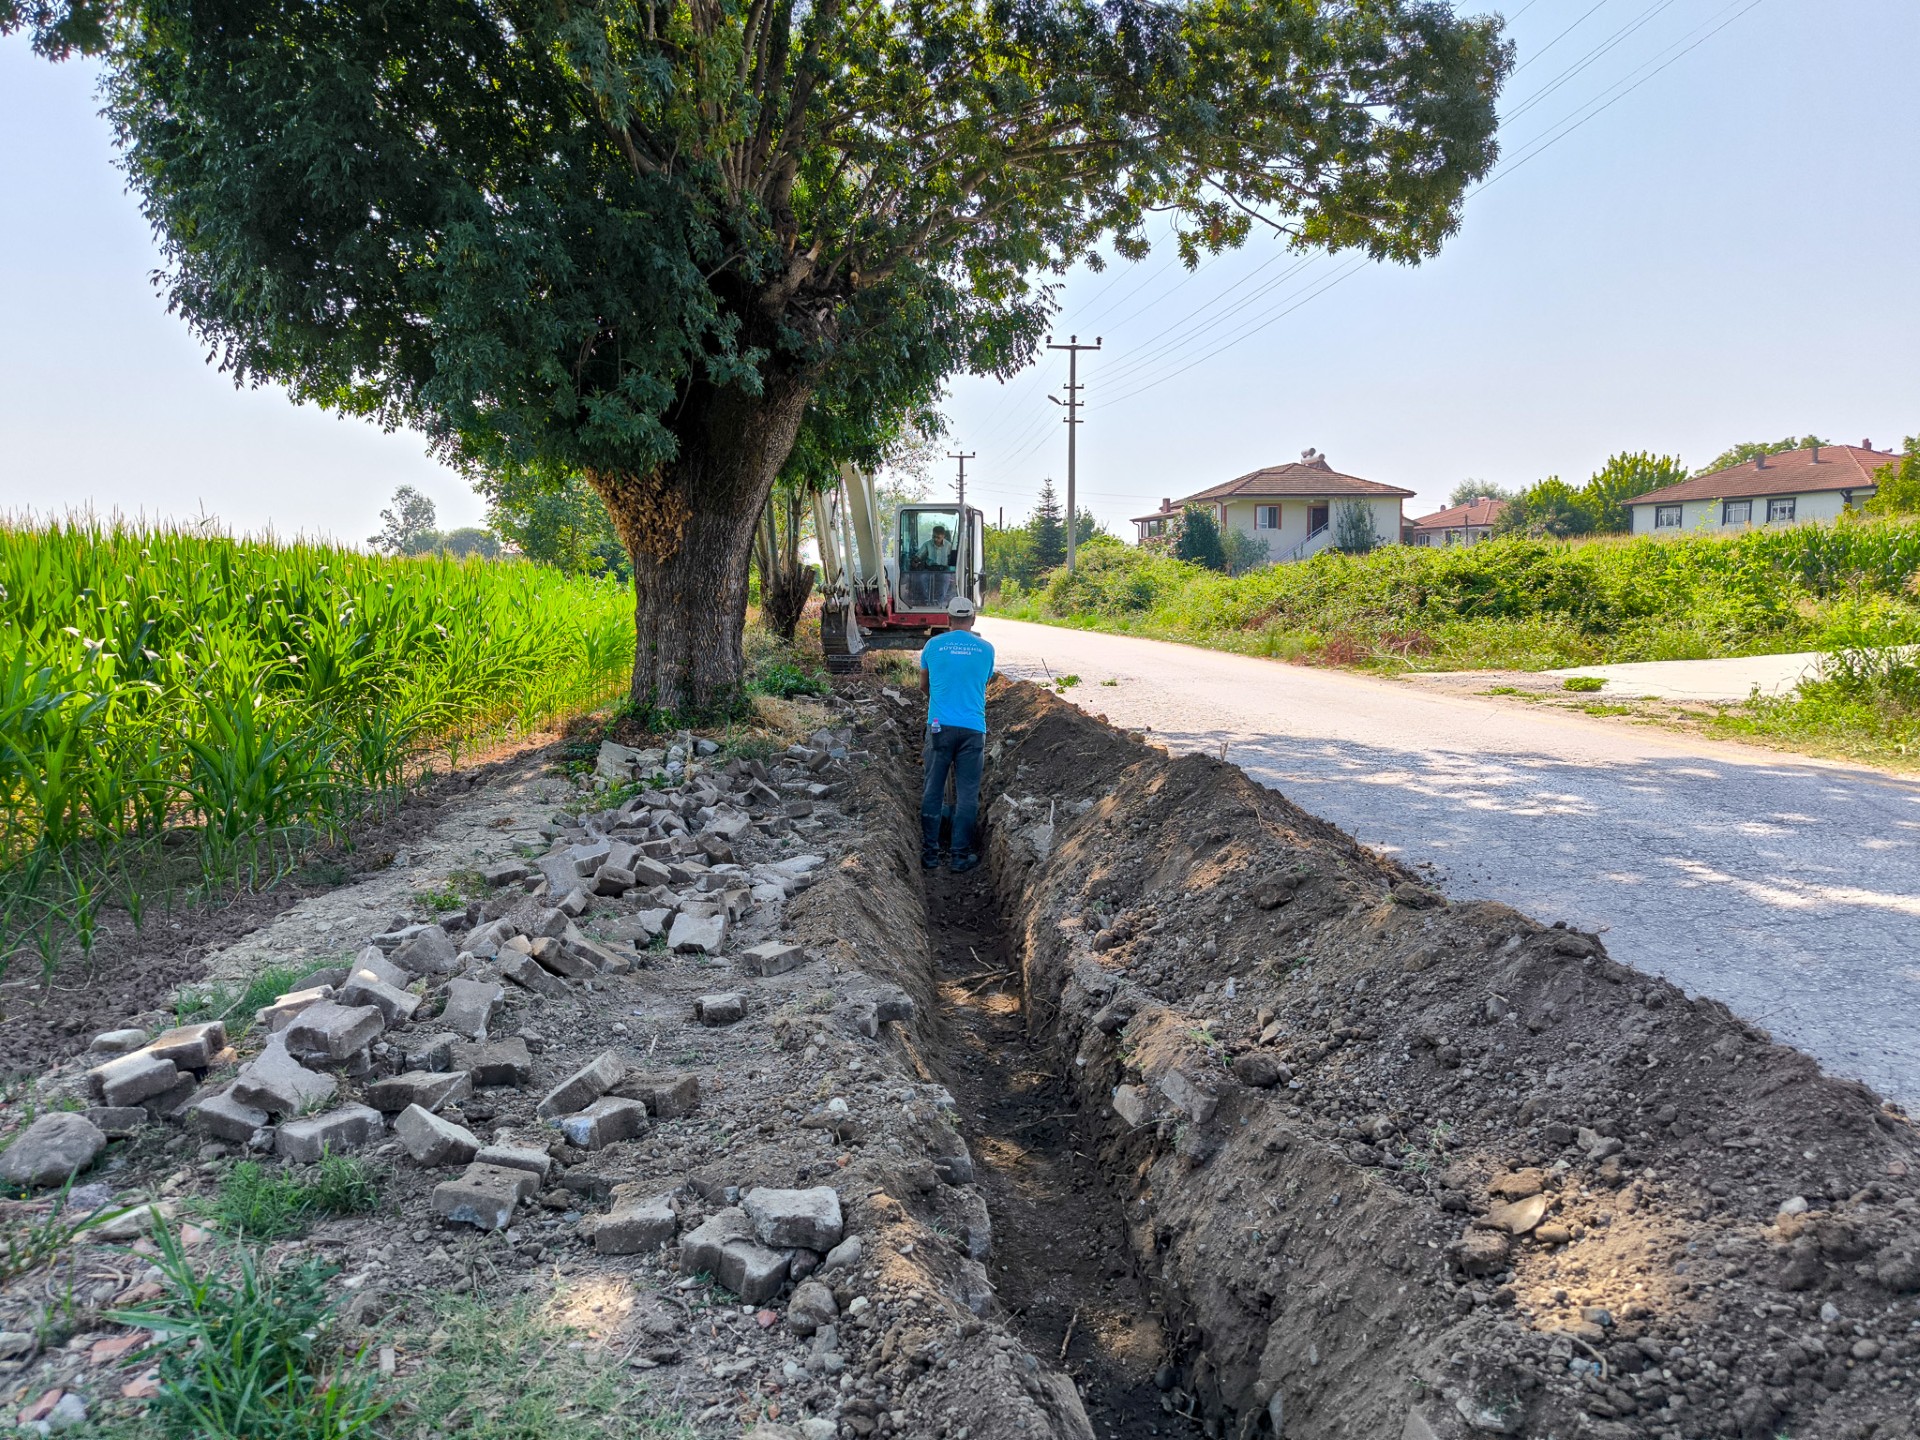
1072, 404
970, 455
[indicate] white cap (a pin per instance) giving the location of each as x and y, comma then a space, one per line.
960, 608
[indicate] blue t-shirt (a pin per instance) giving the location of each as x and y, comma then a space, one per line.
958, 665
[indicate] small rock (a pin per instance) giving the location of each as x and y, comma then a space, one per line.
772, 958
470, 1007
702, 933
485, 1195
118, 1042
347, 1128
636, 1224
52, 1148
277, 1083
190, 1047
330, 1032
1518, 1217
495, 1062
132, 1079
782, 1218
811, 1307
429, 952
1260, 1070
604, 1122
584, 1086
843, 1256
723, 1009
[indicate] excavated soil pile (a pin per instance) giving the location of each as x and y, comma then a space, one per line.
1393, 1166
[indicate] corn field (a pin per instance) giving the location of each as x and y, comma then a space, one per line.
166, 694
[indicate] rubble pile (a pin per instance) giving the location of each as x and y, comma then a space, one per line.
676, 1050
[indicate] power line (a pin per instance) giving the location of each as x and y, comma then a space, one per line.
1557, 39
1612, 42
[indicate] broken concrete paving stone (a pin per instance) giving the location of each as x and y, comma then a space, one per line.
724, 1247
225, 1118
373, 961
132, 1078
117, 1042
363, 988
493, 1062
558, 959
429, 1089
584, 1086
529, 974
637, 1224
514, 1157
773, 957
809, 1218
727, 1008
430, 952
277, 1083
705, 934
51, 1149
190, 1047
484, 1195
470, 1007
118, 1122
503, 873
331, 1032
281, 1013
1131, 1104
433, 1139
605, 1122
1192, 1098
429, 1052
666, 1096
347, 1128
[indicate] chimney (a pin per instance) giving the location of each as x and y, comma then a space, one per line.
1866, 444
1760, 462
1166, 503
1816, 454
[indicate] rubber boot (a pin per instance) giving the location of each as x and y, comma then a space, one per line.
929, 842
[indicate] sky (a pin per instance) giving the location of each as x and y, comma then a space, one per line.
1716, 247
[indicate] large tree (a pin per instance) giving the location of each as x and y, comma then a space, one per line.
639, 242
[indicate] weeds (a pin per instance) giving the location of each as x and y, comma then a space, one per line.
1583, 684
236, 1005
245, 1354
262, 1204
521, 1372
31, 1237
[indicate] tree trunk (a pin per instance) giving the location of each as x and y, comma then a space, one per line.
689, 528
785, 583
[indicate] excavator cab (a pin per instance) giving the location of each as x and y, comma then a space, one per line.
892, 595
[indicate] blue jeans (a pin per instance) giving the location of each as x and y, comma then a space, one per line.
960, 751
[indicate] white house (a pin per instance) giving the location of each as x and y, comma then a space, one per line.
1791, 488
1295, 508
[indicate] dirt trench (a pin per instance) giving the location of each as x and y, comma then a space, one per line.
1294, 1146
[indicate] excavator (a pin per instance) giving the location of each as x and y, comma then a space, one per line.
876, 595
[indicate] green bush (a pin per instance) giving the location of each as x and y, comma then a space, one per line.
1519, 603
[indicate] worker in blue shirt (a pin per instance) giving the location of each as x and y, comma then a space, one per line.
958, 665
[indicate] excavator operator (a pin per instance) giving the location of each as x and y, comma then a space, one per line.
958, 665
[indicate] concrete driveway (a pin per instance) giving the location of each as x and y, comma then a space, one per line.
1730, 681
1788, 888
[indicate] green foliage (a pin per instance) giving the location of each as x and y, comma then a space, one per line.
1625, 477
1243, 551
1550, 509
1196, 539
31, 1237
782, 669
661, 251
1899, 483
564, 525
1353, 530
407, 528
519, 1372
1519, 603
236, 1005
250, 697
1467, 491
245, 1354
1863, 703
259, 1203
1583, 683
1750, 449
1046, 534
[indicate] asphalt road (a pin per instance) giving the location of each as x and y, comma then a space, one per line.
1788, 888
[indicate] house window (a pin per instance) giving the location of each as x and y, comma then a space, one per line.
1736, 512
1666, 517
1266, 517
1154, 527
1780, 512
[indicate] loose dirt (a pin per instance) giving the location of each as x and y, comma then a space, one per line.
1061, 1266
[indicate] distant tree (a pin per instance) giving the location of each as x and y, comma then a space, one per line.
1244, 552
1623, 478
470, 540
1199, 539
1353, 529
407, 527
1468, 491
1048, 531
1551, 508
1899, 482
1009, 555
1749, 449
785, 579
563, 524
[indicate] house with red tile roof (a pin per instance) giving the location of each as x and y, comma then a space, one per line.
1293, 507
1457, 524
1793, 487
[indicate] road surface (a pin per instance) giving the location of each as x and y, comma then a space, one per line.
1788, 888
